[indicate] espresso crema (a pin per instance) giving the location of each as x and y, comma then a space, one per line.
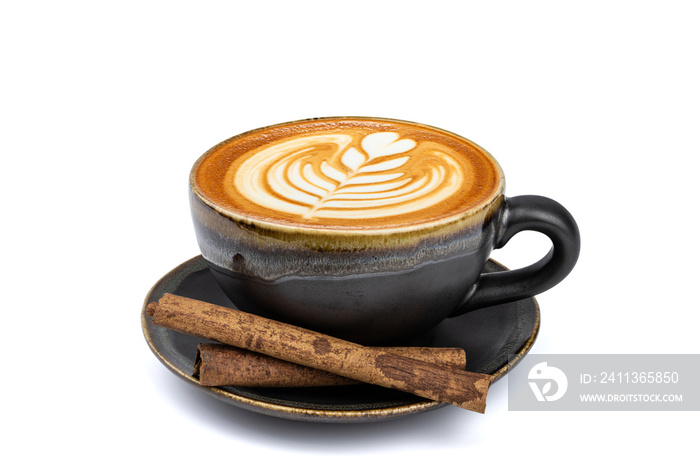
347, 173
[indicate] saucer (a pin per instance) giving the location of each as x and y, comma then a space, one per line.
489, 336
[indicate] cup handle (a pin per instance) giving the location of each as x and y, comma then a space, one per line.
522, 213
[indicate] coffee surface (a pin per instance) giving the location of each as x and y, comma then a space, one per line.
348, 173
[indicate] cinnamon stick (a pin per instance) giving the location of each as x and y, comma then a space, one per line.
304, 347
224, 365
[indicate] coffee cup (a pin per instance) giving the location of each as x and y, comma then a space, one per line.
373, 230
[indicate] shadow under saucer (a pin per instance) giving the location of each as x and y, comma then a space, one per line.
494, 338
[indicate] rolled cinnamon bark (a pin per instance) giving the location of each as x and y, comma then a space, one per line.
304, 347
224, 365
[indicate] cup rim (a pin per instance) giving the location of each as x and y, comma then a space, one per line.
473, 215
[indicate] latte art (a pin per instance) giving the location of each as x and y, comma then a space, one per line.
347, 174
330, 176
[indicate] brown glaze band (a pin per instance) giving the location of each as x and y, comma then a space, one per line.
249, 249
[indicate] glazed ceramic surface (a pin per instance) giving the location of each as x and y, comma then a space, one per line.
371, 230
490, 337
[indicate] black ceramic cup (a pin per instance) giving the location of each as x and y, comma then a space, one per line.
383, 268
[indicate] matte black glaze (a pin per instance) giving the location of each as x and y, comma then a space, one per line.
375, 295
380, 308
530, 212
383, 295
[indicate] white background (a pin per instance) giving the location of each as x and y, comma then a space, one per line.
105, 106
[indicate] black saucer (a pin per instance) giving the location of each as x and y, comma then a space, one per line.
489, 336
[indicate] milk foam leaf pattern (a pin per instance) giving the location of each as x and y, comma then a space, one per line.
353, 159
384, 166
385, 144
331, 172
375, 146
349, 176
